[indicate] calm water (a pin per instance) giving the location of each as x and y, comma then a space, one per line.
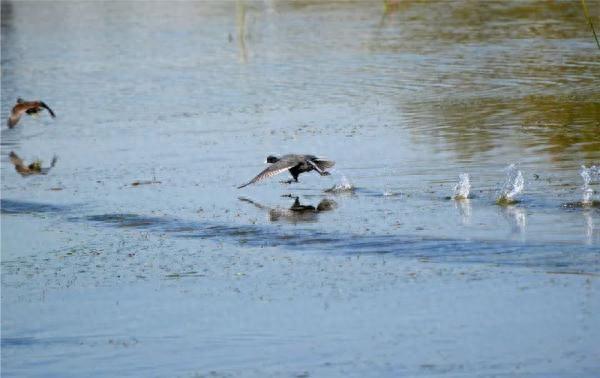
185, 275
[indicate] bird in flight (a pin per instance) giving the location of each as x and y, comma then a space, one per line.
295, 164
29, 107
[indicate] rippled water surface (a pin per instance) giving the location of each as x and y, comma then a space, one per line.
137, 256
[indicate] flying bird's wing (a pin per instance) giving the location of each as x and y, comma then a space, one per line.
43, 105
12, 120
274, 169
315, 166
16, 113
19, 164
15, 159
321, 165
324, 163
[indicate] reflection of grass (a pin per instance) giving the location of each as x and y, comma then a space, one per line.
589, 19
241, 29
565, 127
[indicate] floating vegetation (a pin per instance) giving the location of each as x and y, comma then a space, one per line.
512, 187
462, 189
177, 275
145, 182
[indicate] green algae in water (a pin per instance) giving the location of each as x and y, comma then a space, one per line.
506, 201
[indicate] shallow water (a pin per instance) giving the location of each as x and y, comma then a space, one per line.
136, 255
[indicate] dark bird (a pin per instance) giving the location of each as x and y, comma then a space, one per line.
29, 107
34, 168
293, 163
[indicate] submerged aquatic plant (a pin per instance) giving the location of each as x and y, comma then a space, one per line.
513, 185
462, 189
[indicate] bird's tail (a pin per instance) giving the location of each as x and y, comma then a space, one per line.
43, 105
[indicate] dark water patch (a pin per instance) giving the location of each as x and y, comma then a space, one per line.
8, 206
125, 220
574, 258
8, 342
582, 205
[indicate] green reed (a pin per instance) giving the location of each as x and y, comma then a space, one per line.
589, 18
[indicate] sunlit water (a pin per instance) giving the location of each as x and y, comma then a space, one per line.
136, 254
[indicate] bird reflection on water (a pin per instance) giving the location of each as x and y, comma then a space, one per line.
297, 213
34, 168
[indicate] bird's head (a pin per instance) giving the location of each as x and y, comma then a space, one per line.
272, 159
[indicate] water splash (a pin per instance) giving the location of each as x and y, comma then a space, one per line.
462, 189
344, 186
513, 185
387, 192
587, 174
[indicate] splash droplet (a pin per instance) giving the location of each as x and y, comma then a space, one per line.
512, 187
462, 189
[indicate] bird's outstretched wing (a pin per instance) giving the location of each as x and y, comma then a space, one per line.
15, 159
321, 166
20, 166
12, 120
274, 169
43, 105
16, 113
324, 163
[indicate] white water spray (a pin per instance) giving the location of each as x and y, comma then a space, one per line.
513, 185
462, 189
587, 174
343, 186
